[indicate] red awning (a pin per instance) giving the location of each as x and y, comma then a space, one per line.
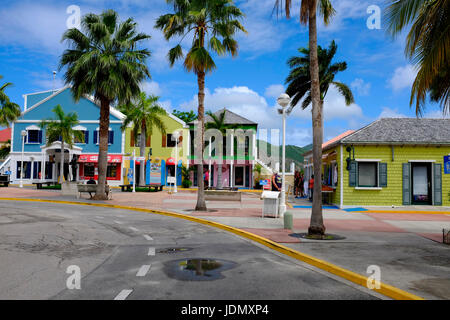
94, 158
170, 162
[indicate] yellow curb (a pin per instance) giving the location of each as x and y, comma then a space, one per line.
385, 289
405, 211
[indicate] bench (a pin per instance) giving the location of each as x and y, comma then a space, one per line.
129, 187
91, 188
223, 195
4, 180
47, 183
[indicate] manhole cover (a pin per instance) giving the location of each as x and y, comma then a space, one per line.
325, 237
173, 250
197, 269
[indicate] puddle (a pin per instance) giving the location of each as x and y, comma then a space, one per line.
198, 269
173, 250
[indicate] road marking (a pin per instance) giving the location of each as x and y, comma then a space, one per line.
118, 222
151, 251
143, 270
123, 294
385, 289
147, 237
134, 229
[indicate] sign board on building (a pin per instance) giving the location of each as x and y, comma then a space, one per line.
265, 184
447, 164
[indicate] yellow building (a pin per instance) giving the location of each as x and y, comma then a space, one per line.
160, 149
389, 162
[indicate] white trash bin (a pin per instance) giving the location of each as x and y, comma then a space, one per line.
271, 203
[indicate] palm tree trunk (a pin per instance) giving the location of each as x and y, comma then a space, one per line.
61, 172
100, 194
142, 143
201, 204
316, 224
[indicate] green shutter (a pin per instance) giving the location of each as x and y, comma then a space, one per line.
406, 184
353, 174
437, 193
382, 166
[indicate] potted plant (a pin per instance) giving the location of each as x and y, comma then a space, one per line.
257, 170
186, 175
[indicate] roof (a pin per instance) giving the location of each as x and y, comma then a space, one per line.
230, 118
113, 111
5, 135
402, 131
334, 141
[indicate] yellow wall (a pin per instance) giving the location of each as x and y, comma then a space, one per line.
158, 151
392, 194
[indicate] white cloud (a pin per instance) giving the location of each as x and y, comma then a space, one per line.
403, 77
274, 90
361, 87
241, 100
334, 108
151, 87
391, 113
436, 114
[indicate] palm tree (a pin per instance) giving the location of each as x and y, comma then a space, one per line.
144, 113
299, 87
427, 45
308, 15
5, 149
61, 129
105, 61
218, 123
299, 79
210, 21
9, 111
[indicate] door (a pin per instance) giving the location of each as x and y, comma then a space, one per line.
421, 183
239, 176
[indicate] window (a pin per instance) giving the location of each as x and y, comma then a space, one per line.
170, 143
111, 171
34, 136
110, 136
367, 174
86, 135
138, 140
89, 170
26, 169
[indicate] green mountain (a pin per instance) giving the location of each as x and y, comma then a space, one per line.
293, 153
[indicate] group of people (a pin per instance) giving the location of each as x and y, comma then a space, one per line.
302, 186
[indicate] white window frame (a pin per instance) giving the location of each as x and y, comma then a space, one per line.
377, 187
98, 135
32, 128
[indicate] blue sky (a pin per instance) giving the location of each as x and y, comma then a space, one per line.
378, 73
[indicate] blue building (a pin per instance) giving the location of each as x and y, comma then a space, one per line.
42, 162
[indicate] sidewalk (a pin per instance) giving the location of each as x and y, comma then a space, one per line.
407, 247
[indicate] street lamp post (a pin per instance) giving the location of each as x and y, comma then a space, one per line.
176, 137
134, 170
283, 100
23, 133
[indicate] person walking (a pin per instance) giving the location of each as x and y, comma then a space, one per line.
206, 178
311, 187
300, 185
276, 182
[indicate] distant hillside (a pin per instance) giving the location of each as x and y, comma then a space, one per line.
293, 153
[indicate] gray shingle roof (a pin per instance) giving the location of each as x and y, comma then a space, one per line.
403, 131
230, 118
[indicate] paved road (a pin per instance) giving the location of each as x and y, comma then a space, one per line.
114, 250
